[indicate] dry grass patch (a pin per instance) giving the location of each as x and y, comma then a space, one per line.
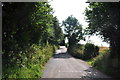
101, 49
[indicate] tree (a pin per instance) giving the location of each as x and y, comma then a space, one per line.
73, 30
104, 20
42, 20
16, 31
58, 34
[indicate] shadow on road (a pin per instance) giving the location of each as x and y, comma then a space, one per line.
92, 73
61, 55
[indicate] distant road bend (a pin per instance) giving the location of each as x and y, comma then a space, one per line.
62, 65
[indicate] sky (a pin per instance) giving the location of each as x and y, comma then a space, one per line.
64, 8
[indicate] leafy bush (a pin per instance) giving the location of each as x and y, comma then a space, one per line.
90, 51
96, 50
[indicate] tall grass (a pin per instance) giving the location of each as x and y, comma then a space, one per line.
101, 61
33, 62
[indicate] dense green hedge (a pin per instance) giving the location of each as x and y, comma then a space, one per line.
31, 64
86, 51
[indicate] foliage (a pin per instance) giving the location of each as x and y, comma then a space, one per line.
58, 34
73, 30
90, 51
42, 21
104, 20
31, 65
16, 31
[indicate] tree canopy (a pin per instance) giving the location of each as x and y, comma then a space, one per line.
73, 30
